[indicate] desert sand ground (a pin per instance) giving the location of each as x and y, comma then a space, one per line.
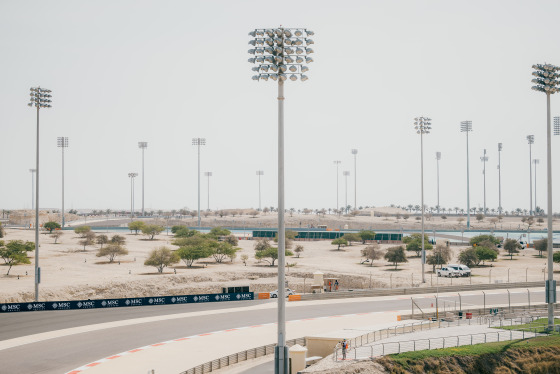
69, 273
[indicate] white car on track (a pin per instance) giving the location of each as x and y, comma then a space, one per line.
274, 294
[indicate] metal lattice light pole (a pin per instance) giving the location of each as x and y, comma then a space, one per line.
530, 141
208, 174
466, 127
422, 125
484, 159
142, 146
259, 174
346, 174
132, 176
62, 142
536, 162
500, 178
438, 158
337, 163
355, 152
281, 50
547, 81
32, 188
198, 142
40, 98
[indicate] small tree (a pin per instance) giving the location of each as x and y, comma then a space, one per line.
289, 237
56, 235
541, 245
270, 255
262, 244
111, 251
372, 253
477, 240
184, 232
136, 226
88, 239
191, 253
117, 239
480, 217
298, 250
396, 255
352, 237
511, 246
152, 230
556, 257
218, 232
102, 239
339, 242
51, 225
82, 230
231, 239
414, 243
223, 250
366, 235
244, 258
441, 255
2, 232
486, 254
161, 257
15, 253
468, 257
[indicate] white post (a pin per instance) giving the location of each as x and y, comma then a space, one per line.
549, 214
422, 192
37, 268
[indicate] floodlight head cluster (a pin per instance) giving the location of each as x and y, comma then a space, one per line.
438, 156
199, 141
484, 158
142, 145
546, 78
336, 162
132, 175
530, 139
62, 141
466, 126
556, 125
499, 147
32, 170
260, 172
279, 52
207, 173
40, 97
536, 161
422, 125
354, 151
346, 173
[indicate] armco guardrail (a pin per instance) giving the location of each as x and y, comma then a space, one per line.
124, 302
248, 354
417, 290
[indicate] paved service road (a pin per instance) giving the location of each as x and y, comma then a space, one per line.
61, 354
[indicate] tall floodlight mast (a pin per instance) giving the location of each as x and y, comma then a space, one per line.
546, 80
530, 141
208, 174
355, 152
466, 127
422, 125
337, 163
346, 174
40, 98
260, 173
198, 142
484, 159
62, 142
32, 171
500, 178
279, 52
132, 176
536, 162
142, 146
438, 158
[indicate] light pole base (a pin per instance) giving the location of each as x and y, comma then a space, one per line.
281, 360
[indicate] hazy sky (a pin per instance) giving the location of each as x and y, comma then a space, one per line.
167, 71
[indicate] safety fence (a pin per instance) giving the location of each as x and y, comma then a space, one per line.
386, 348
234, 358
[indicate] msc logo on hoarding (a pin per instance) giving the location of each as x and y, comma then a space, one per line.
61, 305
133, 302
157, 300
36, 306
223, 297
110, 303
244, 296
11, 308
201, 299
86, 304
179, 299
